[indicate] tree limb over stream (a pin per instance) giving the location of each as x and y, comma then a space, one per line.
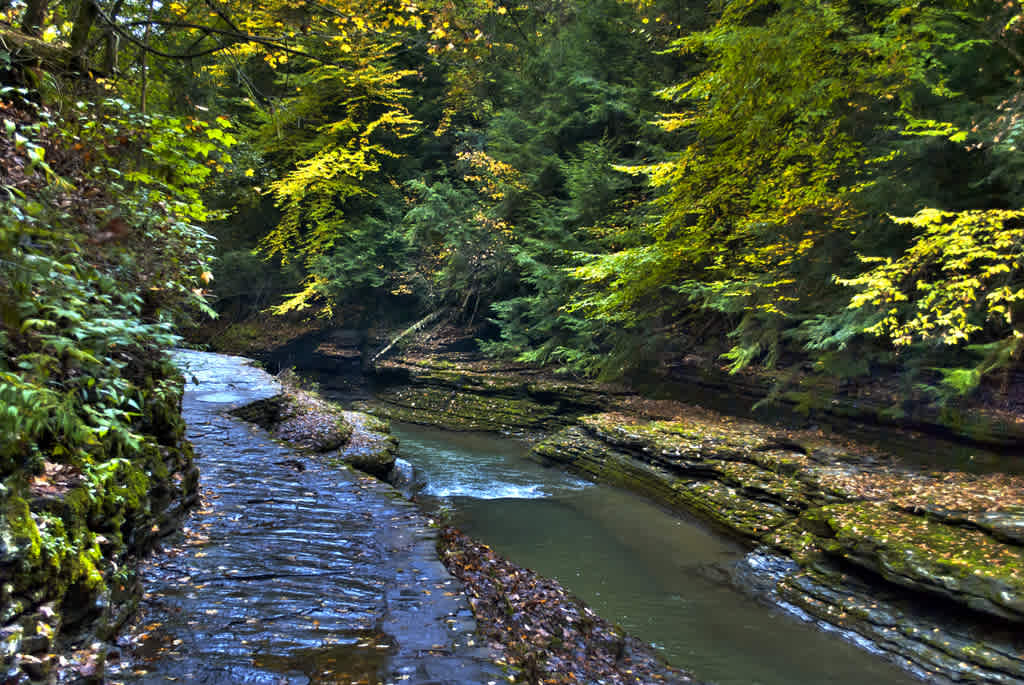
426, 320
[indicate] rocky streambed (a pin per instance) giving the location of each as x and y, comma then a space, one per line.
296, 569
923, 564
927, 566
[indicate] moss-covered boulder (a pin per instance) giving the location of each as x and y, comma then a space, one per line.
305, 420
966, 565
371, 449
301, 419
694, 488
458, 410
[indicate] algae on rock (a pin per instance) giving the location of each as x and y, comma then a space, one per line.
72, 524
833, 512
302, 418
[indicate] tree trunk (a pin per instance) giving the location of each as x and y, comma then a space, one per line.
35, 14
33, 51
111, 40
411, 329
88, 10
110, 58
144, 62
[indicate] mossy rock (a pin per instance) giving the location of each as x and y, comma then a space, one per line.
372, 449
463, 411
300, 418
64, 527
749, 518
717, 502
796, 542
691, 438
942, 651
19, 535
964, 564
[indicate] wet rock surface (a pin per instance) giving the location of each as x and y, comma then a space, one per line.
294, 570
459, 391
923, 566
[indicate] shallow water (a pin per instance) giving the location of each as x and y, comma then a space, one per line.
294, 571
662, 578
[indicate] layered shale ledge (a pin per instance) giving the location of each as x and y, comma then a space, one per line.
463, 392
925, 566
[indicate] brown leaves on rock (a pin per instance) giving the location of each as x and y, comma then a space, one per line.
55, 481
542, 629
300, 417
949, 490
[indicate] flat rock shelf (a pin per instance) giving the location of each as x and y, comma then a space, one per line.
294, 570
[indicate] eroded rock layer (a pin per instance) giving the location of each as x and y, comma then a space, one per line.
927, 566
462, 392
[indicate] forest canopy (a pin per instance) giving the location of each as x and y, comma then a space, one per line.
819, 189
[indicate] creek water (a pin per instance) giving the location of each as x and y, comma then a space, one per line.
664, 579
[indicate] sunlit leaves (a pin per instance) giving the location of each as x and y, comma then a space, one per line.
367, 100
962, 272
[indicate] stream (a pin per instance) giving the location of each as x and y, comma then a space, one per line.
663, 578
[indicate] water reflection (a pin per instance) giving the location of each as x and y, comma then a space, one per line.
661, 578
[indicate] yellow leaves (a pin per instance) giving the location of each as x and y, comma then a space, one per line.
957, 268
492, 177
304, 299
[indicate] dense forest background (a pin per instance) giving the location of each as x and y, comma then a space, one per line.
826, 191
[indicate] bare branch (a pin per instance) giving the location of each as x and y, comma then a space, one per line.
235, 37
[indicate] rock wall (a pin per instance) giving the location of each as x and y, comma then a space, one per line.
928, 567
70, 532
462, 392
990, 418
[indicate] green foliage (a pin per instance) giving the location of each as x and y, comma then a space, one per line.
97, 263
610, 184
805, 123
961, 273
336, 132
568, 108
100, 252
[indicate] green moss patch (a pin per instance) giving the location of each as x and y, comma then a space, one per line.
300, 418
463, 411
962, 563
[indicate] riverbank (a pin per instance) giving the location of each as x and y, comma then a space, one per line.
926, 565
296, 569
73, 527
919, 560
542, 630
